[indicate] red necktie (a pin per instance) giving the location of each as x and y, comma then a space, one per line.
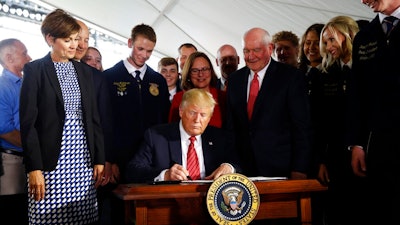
225, 85
192, 163
254, 87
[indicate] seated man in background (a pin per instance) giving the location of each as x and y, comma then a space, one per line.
165, 152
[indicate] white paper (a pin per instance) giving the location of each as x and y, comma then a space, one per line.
267, 178
197, 181
250, 178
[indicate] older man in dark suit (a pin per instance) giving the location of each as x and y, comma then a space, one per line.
165, 152
269, 114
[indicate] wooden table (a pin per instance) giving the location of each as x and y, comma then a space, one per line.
186, 203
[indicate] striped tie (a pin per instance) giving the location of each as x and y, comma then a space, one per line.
389, 23
192, 163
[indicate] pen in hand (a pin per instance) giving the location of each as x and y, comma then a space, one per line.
188, 176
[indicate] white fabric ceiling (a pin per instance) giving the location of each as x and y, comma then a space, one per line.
208, 23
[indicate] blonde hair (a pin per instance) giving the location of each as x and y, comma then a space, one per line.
345, 25
199, 97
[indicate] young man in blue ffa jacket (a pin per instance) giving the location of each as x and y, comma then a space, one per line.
139, 99
139, 96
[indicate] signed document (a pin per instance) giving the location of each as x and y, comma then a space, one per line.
197, 181
267, 178
250, 178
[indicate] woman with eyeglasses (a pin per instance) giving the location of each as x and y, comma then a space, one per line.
198, 72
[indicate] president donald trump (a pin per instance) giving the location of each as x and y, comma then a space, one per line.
165, 153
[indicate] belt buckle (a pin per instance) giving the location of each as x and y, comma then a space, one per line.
11, 152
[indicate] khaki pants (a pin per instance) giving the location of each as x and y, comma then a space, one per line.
14, 179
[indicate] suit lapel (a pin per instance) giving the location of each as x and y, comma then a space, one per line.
207, 145
82, 83
264, 87
175, 144
52, 76
242, 95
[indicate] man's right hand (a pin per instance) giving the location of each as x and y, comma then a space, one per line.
176, 172
358, 161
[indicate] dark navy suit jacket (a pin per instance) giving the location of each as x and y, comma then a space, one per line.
162, 148
105, 110
277, 139
374, 117
375, 87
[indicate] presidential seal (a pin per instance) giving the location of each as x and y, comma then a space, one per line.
233, 199
154, 89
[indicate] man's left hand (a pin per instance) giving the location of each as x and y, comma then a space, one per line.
225, 168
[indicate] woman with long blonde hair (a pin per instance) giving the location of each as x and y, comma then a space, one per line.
336, 45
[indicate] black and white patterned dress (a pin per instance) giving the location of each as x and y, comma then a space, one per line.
70, 197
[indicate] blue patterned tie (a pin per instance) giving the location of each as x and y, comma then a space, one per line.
389, 23
137, 77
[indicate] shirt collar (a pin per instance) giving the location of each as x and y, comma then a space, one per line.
184, 135
260, 73
131, 69
10, 75
223, 79
396, 14
319, 66
349, 64
173, 91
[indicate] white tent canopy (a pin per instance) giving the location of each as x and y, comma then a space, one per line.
207, 23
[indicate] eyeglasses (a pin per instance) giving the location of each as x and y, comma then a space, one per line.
196, 71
